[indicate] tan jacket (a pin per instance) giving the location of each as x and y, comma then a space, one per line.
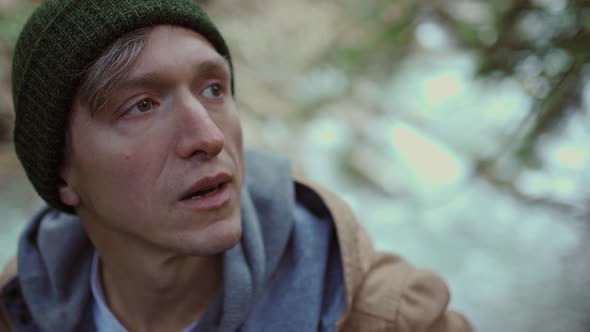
383, 292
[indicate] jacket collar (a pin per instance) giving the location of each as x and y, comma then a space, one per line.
356, 249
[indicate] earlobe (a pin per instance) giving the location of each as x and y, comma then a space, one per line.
68, 196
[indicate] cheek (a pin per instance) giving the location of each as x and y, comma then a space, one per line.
235, 138
107, 175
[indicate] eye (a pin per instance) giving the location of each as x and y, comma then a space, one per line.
143, 106
213, 91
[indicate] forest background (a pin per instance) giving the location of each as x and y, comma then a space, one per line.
458, 129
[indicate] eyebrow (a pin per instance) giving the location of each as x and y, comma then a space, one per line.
218, 66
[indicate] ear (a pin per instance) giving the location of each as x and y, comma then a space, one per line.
68, 196
67, 193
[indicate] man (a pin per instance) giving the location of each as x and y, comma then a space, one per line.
158, 221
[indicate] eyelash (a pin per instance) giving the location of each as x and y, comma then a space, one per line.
220, 89
152, 102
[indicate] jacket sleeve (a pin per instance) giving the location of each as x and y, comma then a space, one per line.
423, 306
8, 273
4, 325
395, 296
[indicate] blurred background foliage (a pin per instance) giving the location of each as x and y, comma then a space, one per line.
459, 131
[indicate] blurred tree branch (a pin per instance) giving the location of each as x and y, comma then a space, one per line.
511, 49
484, 170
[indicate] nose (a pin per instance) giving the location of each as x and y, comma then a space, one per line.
199, 134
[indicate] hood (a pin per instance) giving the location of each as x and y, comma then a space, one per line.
287, 263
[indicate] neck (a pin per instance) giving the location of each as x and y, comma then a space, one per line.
164, 296
152, 291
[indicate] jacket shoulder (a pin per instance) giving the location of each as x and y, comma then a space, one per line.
9, 272
383, 291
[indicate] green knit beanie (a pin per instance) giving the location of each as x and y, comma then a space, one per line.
59, 41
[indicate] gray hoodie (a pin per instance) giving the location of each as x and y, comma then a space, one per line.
284, 275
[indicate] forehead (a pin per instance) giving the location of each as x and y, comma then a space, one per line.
151, 55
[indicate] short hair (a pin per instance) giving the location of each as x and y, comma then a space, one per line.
115, 64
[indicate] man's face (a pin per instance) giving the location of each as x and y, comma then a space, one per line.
162, 165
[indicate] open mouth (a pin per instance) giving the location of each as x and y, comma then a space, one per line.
205, 192
208, 191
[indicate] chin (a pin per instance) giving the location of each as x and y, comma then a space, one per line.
219, 239
228, 241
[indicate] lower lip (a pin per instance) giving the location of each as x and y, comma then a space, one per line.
210, 202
